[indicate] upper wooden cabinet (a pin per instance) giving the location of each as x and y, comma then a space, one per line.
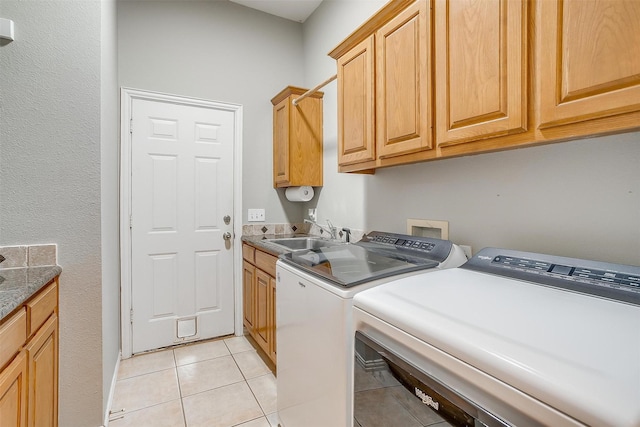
506, 74
297, 139
384, 85
481, 69
590, 66
356, 79
403, 83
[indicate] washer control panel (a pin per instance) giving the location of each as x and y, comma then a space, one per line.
615, 281
409, 242
415, 247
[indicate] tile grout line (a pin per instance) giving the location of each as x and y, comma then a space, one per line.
184, 412
249, 387
244, 378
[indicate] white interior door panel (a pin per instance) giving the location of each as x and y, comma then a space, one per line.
181, 189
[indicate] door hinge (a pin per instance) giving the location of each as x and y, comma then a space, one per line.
131, 126
130, 221
131, 316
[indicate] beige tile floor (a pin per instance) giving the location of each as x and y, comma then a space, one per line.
221, 383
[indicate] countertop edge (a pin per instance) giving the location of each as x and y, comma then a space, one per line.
21, 284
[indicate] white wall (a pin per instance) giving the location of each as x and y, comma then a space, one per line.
342, 197
219, 51
577, 199
50, 190
109, 157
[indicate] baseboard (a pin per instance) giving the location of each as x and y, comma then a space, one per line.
111, 391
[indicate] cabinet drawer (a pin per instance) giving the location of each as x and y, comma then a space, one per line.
266, 263
248, 253
13, 334
40, 308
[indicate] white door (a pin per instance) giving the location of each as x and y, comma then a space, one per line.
181, 195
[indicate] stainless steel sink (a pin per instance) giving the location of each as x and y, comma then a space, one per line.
300, 243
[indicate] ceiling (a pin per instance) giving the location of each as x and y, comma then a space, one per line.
294, 10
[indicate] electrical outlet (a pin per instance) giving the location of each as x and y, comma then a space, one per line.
255, 215
467, 251
312, 214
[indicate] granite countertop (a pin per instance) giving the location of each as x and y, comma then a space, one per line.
18, 284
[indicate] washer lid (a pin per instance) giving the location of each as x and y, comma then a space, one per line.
350, 265
577, 353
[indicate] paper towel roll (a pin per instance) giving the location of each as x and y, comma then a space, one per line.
299, 194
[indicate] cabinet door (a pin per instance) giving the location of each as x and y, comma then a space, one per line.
481, 69
248, 284
42, 353
263, 318
13, 393
356, 132
403, 111
281, 143
589, 59
272, 319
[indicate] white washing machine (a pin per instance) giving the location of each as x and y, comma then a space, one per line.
314, 296
511, 339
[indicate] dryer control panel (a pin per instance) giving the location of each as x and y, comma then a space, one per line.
613, 281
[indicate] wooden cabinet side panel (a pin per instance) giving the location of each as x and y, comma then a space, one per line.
248, 279
356, 131
13, 393
481, 69
305, 143
403, 83
43, 376
281, 143
588, 59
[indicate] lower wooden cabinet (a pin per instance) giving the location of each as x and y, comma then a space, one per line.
13, 393
248, 282
29, 382
259, 298
272, 317
42, 354
262, 332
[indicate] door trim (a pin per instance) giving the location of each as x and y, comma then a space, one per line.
127, 96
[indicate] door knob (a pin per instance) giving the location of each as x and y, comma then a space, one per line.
226, 236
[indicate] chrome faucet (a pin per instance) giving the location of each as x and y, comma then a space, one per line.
333, 231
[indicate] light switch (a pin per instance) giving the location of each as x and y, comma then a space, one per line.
255, 215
